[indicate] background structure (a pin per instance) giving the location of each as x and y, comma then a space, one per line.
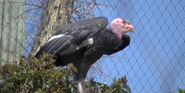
153, 62
12, 30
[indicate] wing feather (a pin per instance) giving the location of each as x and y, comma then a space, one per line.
85, 28
56, 45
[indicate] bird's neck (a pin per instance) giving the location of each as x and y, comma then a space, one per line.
118, 33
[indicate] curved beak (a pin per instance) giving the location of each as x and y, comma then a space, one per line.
129, 26
132, 30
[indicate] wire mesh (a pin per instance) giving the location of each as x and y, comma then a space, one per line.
154, 60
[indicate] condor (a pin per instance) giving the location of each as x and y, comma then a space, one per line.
84, 42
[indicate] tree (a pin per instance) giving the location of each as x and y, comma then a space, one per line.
56, 13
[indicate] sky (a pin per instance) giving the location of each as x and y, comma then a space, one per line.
155, 59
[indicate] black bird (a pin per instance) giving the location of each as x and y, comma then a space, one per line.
84, 42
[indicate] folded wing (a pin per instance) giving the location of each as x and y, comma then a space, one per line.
71, 36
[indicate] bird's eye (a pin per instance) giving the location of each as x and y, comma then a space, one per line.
122, 21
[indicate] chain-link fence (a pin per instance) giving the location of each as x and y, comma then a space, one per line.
153, 62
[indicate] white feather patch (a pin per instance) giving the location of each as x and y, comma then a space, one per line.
68, 51
85, 43
56, 36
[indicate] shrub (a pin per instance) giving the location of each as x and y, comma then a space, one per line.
41, 76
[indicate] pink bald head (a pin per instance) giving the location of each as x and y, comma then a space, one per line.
119, 26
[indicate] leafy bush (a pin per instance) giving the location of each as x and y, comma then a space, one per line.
41, 76
181, 91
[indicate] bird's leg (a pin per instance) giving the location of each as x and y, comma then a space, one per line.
80, 81
81, 86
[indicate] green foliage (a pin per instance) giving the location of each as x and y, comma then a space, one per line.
118, 86
181, 91
41, 76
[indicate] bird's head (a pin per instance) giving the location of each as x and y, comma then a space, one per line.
121, 26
